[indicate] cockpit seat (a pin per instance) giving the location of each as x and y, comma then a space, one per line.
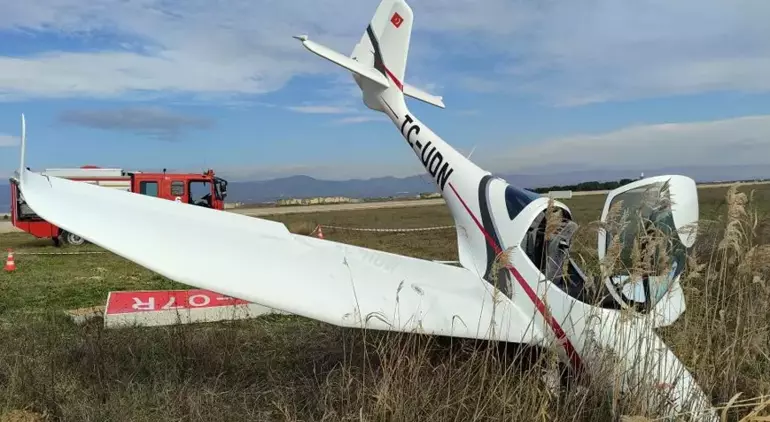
572, 280
557, 249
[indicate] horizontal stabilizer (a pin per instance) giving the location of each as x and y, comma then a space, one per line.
367, 71
345, 61
423, 96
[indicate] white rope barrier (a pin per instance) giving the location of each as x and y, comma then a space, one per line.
61, 253
359, 229
364, 229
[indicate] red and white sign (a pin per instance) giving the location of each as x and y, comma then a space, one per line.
396, 20
166, 300
170, 307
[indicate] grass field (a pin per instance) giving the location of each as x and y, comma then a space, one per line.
291, 368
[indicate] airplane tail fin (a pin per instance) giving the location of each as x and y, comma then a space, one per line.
378, 61
385, 43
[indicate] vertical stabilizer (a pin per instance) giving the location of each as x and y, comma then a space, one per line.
378, 61
385, 43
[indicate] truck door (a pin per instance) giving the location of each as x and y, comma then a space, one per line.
220, 193
177, 191
146, 185
201, 192
160, 186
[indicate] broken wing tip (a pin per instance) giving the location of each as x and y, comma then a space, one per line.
23, 148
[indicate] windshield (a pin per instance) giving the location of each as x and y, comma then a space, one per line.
652, 255
199, 193
517, 199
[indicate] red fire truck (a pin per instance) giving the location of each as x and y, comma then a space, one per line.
202, 189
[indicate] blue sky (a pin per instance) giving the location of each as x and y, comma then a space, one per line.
533, 86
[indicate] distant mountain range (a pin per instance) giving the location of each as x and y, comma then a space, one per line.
306, 186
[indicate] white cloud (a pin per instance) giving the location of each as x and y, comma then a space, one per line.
329, 171
582, 52
560, 51
737, 141
355, 111
109, 74
193, 46
9, 140
321, 109
362, 119
740, 141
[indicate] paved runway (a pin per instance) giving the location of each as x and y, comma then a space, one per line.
6, 227
337, 207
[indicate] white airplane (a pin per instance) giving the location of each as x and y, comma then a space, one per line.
522, 298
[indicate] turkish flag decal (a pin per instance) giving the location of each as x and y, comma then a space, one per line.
396, 20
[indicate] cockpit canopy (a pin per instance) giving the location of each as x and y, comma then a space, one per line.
646, 235
648, 231
517, 199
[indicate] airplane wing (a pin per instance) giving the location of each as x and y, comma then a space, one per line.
262, 262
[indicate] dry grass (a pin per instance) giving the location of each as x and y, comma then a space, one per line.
291, 368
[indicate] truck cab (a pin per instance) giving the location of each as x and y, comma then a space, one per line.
204, 190
199, 189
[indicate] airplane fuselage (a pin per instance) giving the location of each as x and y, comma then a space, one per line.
481, 209
493, 218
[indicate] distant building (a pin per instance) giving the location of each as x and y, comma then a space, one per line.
429, 195
559, 194
231, 205
316, 201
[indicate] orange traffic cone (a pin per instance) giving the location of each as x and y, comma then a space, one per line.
320, 232
10, 265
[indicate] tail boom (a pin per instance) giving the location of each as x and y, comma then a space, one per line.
378, 64
458, 179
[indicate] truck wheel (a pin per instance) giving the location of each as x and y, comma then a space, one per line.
73, 239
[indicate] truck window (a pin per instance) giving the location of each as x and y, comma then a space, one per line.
23, 211
177, 188
200, 193
148, 188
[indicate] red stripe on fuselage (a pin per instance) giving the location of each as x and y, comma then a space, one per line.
379, 61
560, 334
395, 80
